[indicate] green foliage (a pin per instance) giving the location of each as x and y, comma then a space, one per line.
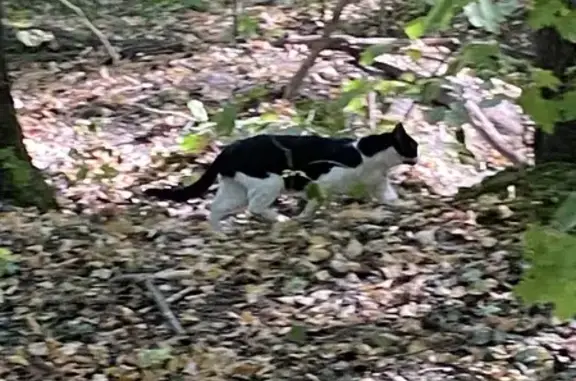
544, 112
488, 14
8, 262
314, 192
226, 119
369, 54
552, 273
553, 13
19, 170
551, 254
247, 26
194, 143
151, 358
297, 334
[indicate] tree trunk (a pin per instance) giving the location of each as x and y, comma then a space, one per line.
20, 182
555, 54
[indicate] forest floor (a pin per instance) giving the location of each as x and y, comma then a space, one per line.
115, 287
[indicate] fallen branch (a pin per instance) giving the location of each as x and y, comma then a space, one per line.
164, 112
105, 42
156, 295
337, 40
489, 132
164, 307
298, 78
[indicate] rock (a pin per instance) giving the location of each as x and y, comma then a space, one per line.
505, 212
533, 355
317, 254
101, 273
354, 249
344, 267
426, 237
481, 336
323, 275
38, 349
304, 267
488, 242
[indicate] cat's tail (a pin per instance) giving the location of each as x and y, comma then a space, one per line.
183, 193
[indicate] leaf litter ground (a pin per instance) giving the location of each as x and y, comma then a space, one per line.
421, 291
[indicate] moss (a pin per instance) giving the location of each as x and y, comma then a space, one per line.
23, 185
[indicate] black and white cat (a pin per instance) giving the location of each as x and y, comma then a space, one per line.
253, 172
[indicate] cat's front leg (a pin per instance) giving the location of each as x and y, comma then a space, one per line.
386, 194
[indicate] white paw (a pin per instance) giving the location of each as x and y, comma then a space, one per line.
282, 218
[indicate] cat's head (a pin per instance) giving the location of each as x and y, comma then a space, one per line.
391, 148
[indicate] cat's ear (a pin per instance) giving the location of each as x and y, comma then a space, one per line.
399, 132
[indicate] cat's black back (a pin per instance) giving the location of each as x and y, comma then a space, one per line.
263, 154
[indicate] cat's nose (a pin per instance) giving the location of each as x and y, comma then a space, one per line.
410, 160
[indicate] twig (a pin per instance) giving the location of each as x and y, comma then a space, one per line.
371, 103
236, 12
156, 295
297, 79
164, 308
165, 112
163, 274
338, 40
489, 132
103, 39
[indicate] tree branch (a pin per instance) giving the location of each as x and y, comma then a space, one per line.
298, 77
489, 132
103, 39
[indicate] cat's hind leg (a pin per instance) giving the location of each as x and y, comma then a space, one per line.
261, 195
231, 198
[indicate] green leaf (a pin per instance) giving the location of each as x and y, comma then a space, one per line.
544, 78
226, 120
566, 104
297, 334
414, 53
566, 26
314, 192
197, 110
370, 53
194, 143
551, 277
484, 14
358, 191
441, 14
565, 217
153, 357
389, 87
109, 171
431, 90
544, 112
456, 115
416, 28
544, 13
358, 85
481, 55
247, 26
508, 7
356, 105
82, 172
435, 115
